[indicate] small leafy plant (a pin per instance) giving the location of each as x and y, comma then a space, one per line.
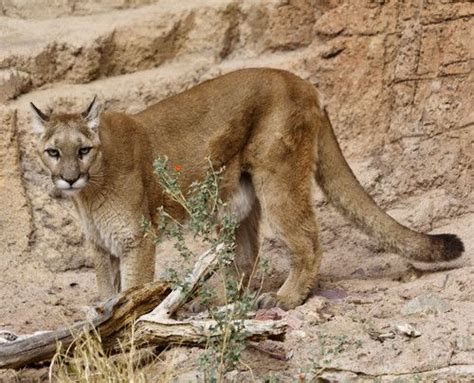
207, 218
210, 221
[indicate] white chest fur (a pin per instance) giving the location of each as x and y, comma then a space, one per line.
108, 227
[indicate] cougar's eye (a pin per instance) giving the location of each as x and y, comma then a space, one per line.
54, 153
84, 151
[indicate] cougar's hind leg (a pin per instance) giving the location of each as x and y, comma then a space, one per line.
287, 206
247, 209
247, 245
244, 265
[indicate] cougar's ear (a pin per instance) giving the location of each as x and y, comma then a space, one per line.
39, 119
92, 114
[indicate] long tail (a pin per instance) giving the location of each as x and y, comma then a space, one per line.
343, 190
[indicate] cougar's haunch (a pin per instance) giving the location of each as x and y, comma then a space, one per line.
270, 132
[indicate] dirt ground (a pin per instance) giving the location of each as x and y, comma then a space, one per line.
398, 82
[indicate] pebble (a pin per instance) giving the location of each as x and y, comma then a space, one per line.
428, 304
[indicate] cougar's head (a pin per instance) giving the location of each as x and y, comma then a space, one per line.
69, 146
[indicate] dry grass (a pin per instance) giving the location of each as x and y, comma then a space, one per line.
86, 361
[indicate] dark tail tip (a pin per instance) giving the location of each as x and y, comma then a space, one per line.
449, 246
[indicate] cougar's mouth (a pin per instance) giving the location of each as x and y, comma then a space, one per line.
66, 185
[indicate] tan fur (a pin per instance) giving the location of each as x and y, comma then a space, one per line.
267, 128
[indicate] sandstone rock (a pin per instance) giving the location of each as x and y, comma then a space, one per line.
465, 343
15, 219
12, 83
342, 377
44, 9
291, 25
115, 43
427, 304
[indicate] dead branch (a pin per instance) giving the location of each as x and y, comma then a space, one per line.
196, 332
178, 297
111, 317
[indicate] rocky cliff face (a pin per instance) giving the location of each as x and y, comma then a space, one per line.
397, 78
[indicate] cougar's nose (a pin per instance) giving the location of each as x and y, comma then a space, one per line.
70, 181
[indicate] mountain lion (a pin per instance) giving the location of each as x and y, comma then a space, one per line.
269, 130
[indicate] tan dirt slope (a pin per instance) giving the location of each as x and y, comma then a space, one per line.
398, 81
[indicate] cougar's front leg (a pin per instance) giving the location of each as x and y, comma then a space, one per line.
137, 265
106, 270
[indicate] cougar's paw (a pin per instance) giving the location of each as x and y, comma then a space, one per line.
269, 300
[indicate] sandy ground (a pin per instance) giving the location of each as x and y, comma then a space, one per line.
362, 293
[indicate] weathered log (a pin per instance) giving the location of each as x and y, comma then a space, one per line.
204, 266
198, 332
112, 316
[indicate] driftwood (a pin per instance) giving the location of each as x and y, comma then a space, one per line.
134, 307
202, 269
112, 316
198, 332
